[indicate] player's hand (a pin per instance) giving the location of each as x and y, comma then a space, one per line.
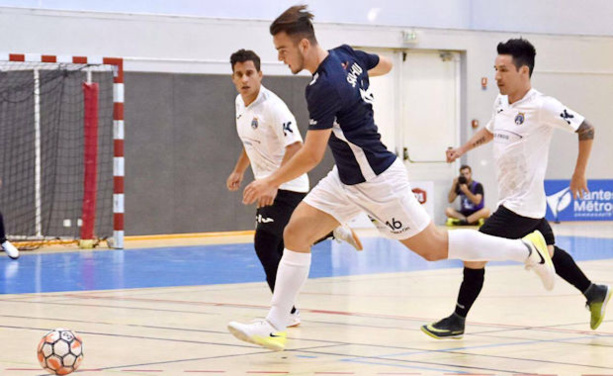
578, 185
267, 200
234, 181
452, 154
258, 189
464, 188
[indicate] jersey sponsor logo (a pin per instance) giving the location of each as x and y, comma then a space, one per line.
260, 219
287, 128
367, 95
254, 123
312, 122
520, 118
499, 110
239, 116
565, 115
352, 76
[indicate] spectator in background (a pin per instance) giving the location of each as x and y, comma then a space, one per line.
472, 208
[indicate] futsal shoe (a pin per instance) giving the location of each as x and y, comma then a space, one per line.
598, 297
346, 234
259, 333
10, 250
294, 319
539, 259
449, 327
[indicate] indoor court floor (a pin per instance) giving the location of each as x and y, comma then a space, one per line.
160, 307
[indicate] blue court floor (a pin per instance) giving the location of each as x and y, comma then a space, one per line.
221, 264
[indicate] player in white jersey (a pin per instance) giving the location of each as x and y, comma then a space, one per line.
367, 178
521, 127
270, 136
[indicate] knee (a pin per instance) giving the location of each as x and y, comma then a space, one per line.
449, 212
293, 237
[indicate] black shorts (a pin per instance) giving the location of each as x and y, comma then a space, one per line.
507, 224
275, 217
468, 212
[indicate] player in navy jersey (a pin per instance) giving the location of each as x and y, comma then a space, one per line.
367, 178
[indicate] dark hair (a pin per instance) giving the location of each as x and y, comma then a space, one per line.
296, 23
523, 52
243, 55
465, 166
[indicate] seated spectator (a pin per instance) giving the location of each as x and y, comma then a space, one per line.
472, 210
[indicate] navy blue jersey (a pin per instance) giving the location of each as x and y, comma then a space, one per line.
338, 97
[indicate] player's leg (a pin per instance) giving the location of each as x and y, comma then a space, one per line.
503, 223
9, 248
597, 296
324, 208
266, 246
305, 227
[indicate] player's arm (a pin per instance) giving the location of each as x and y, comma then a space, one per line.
290, 151
305, 159
383, 67
578, 183
236, 176
482, 137
451, 196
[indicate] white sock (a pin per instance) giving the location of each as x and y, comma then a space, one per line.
471, 245
292, 274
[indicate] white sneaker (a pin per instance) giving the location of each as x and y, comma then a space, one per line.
259, 333
539, 259
10, 250
346, 234
294, 319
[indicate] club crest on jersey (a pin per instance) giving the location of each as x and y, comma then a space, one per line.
519, 119
254, 123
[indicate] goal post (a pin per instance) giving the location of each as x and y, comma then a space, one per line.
62, 149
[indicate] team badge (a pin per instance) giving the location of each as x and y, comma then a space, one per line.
519, 119
254, 123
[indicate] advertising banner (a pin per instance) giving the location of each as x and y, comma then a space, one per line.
597, 205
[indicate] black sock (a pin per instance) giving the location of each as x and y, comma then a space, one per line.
569, 271
2, 234
469, 290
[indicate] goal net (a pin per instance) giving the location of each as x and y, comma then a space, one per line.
57, 131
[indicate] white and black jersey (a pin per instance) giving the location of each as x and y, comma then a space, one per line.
522, 134
266, 127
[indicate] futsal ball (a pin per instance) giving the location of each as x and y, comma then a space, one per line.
60, 351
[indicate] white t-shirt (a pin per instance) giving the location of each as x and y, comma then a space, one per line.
522, 134
266, 127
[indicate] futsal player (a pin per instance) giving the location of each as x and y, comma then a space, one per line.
522, 124
367, 178
270, 136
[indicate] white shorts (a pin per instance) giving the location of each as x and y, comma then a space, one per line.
387, 199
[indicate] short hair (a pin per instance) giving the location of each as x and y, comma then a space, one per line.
464, 167
523, 52
243, 55
296, 23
